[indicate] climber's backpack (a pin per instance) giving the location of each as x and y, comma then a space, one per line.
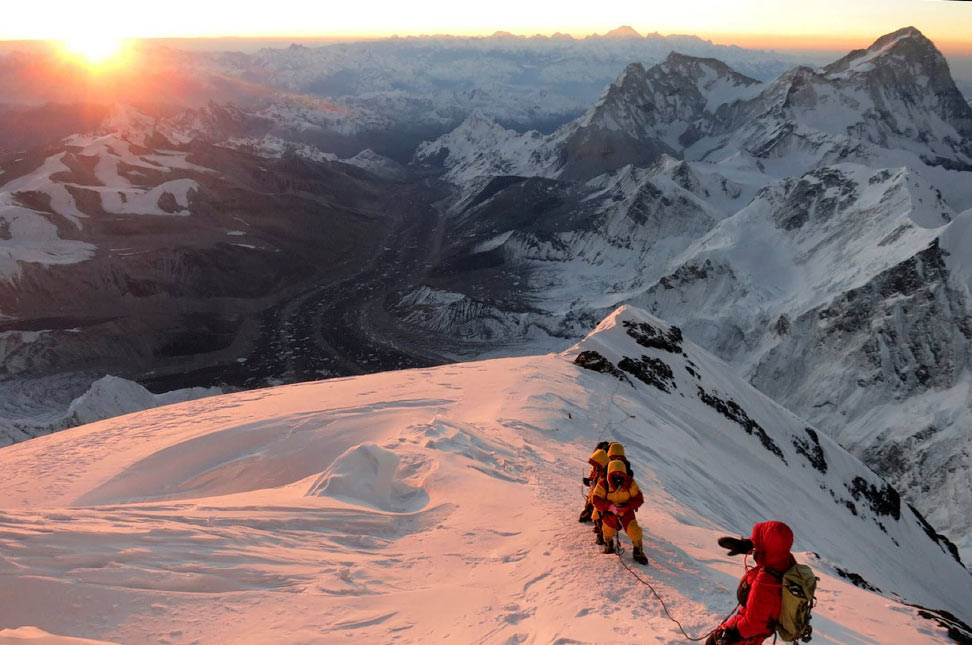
799, 585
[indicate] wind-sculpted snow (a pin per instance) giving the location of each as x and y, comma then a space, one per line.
366, 475
441, 503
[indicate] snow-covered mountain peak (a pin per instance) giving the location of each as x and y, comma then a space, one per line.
908, 44
478, 123
624, 31
908, 80
632, 78
704, 70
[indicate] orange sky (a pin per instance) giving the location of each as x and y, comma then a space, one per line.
823, 24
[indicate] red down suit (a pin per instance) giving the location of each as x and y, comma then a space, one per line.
760, 592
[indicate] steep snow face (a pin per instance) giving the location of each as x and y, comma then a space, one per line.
844, 267
779, 255
442, 503
903, 402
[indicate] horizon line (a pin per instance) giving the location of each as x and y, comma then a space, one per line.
764, 41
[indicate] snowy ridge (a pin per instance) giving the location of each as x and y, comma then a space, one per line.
779, 253
109, 396
343, 509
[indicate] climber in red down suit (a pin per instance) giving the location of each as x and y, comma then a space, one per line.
760, 591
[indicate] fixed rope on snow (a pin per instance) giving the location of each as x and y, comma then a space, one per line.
617, 549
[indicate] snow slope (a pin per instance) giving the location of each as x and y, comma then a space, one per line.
441, 504
35, 407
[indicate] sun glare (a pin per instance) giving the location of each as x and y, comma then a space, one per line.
94, 49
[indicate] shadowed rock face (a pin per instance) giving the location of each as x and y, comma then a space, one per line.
908, 62
648, 113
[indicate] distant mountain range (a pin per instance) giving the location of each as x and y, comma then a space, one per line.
387, 95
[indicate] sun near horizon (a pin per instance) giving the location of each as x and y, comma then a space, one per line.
94, 50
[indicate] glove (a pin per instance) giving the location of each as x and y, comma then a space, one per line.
587, 481
727, 636
736, 546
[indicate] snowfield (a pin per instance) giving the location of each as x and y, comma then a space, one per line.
440, 505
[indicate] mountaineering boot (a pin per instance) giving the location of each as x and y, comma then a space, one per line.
638, 555
585, 515
598, 536
609, 546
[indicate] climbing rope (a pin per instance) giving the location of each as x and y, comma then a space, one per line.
617, 549
607, 424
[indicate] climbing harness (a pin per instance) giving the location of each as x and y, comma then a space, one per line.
617, 549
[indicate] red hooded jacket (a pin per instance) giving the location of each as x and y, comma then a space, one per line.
760, 592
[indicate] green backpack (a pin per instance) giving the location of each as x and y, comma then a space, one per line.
799, 585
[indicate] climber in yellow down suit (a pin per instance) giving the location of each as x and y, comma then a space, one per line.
616, 498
